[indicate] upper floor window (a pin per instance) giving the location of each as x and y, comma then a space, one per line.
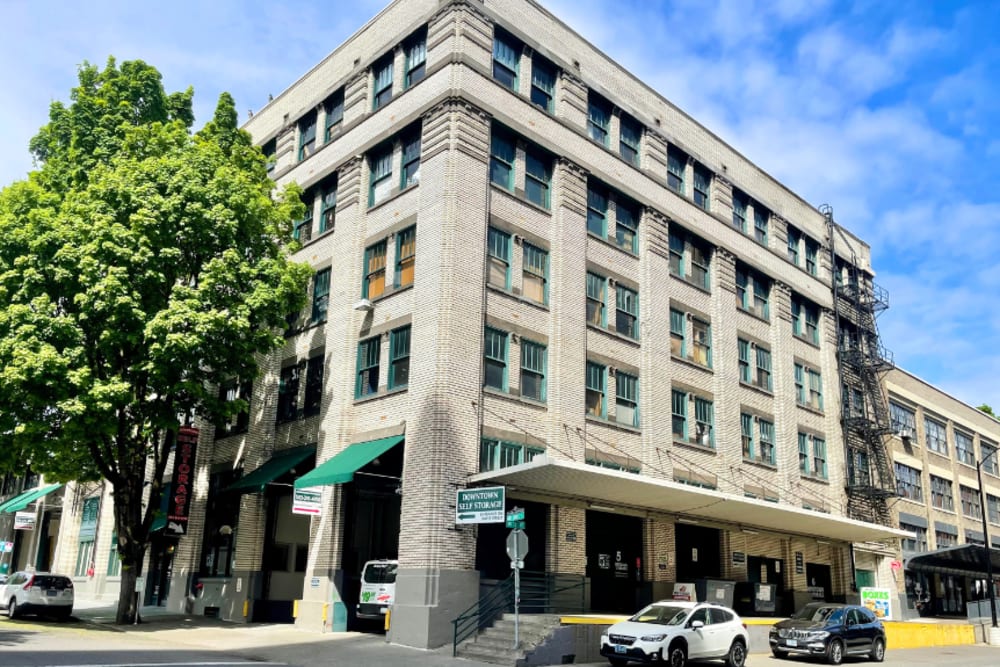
965, 451
754, 364
406, 255
702, 187
411, 161
970, 501
288, 394
936, 434
597, 379
794, 238
916, 543
543, 83
699, 349
533, 370
537, 176
805, 319
598, 119
416, 58
231, 392
740, 203
368, 367
904, 420
314, 386
752, 292
602, 204
535, 274
321, 296
993, 508
503, 153
942, 496
334, 107
689, 258
908, 483
808, 387
506, 57
380, 163
627, 316
495, 358
498, 249
989, 459
630, 132
597, 287
676, 164
307, 136
302, 231
812, 252
373, 285
817, 453
760, 218
627, 399
495, 454
382, 86
399, 357
537, 167
328, 206
401, 153
270, 149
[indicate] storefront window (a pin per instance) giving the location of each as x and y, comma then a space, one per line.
221, 516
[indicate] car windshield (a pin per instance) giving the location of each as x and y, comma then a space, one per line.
380, 573
661, 614
818, 613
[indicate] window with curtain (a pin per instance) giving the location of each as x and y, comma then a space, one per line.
596, 381
627, 399
543, 83
533, 363
374, 281
506, 54
416, 58
406, 254
535, 270
382, 85
598, 119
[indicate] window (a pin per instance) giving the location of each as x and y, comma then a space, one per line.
382, 89
812, 250
596, 297
678, 330
533, 365
626, 225
114, 562
399, 357
495, 359
752, 292
328, 207
380, 163
819, 457
597, 210
321, 296
794, 236
965, 451
970, 501
535, 273
766, 454
937, 440
307, 136
746, 435
805, 319
760, 215
411, 161
406, 253
808, 387
599, 202
314, 386
269, 149
222, 509
679, 410
908, 484
334, 107
88, 533
230, 392
374, 281
303, 228
676, 163
993, 508
763, 375
288, 394
989, 459
495, 454
598, 119
537, 176
689, 258
942, 496
498, 249
803, 453
506, 54
701, 350
627, 405
503, 152
740, 202
704, 415
702, 185
919, 540
743, 347
945, 539
368, 367
596, 383
543, 83
416, 59
627, 316
903, 419
629, 140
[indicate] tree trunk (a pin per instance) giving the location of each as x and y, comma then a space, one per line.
133, 540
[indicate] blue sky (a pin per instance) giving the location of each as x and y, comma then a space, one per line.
890, 112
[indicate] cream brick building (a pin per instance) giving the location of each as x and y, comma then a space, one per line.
532, 271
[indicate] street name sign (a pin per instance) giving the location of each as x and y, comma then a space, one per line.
482, 505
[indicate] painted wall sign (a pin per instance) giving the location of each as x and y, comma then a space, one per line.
181, 491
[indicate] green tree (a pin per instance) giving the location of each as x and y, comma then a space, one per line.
987, 409
141, 265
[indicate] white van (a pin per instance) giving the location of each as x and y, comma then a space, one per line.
378, 588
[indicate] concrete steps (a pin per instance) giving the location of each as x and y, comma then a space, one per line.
496, 643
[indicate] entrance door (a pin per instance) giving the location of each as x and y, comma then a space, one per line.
699, 553
161, 567
614, 561
818, 576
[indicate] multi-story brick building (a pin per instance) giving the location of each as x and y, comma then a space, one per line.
938, 444
534, 271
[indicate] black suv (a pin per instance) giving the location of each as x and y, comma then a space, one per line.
832, 631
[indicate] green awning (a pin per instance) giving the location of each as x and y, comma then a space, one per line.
341, 468
28, 497
279, 463
159, 523
15, 499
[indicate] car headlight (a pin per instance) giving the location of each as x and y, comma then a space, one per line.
818, 634
604, 638
653, 638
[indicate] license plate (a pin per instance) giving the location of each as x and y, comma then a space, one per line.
51, 593
620, 649
792, 642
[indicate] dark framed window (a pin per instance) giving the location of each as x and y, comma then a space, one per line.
321, 296
314, 385
222, 515
506, 58
288, 394
368, 367
231, 392
399, 357
334, 107
307, 136
543, 83
416, 58
382, 88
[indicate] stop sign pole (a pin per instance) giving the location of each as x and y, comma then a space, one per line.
517, 549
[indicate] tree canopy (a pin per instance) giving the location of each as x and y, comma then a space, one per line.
141, 265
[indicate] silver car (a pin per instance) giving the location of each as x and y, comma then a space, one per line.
41, 593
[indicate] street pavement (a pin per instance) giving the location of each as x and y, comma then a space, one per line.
166, 639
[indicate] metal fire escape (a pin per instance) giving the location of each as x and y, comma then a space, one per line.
862, 362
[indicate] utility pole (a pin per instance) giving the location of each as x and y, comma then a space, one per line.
990, 585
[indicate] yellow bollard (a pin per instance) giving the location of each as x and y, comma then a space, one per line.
295, 608
388, 613
246, 608
325, 608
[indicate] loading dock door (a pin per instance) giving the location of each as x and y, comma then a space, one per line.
614, 561
699, 552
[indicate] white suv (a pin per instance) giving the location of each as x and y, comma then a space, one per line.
674, 631
40, 593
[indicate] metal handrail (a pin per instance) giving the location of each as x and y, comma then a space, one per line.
483, 612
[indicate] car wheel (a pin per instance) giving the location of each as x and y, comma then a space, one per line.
677, 655
835, 652
737, 654
778, 653
878, 650
618, 662
12, 610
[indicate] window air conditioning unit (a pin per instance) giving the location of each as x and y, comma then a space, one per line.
364, 305
906, 433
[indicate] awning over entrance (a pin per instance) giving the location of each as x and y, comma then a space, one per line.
279, 464
341, 468
18, 503
966, 560
606, 487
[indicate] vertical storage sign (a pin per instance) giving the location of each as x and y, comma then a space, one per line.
180, 508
